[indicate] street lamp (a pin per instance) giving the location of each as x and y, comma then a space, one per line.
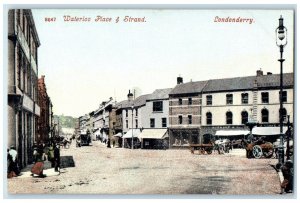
281, 41
132, 127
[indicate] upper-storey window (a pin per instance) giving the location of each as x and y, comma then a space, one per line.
157, 106
284, 96
180, 101
228, 117
209, 100
264, 116
190, 101
245, 98
265, 97
229, 99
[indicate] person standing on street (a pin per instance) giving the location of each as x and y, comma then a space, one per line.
56, 158
13, 162
38, 167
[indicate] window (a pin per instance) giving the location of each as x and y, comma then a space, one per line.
209, 100
229, 99
264, 116
228, 117
244, 115
126, 113
180, 101
284, 96
126, 123
136, 123
244, 98
190, 119
180, 119
208, 118
283, 114
152, 122
157, 106
136, 112
265, 97
190, 101
164, 122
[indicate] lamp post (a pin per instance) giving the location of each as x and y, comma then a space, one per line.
281, 41
132, 127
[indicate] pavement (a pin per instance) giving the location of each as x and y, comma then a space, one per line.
48, 171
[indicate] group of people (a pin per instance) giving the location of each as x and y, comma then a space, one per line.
41, 153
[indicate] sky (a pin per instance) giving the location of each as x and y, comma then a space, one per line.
85, 63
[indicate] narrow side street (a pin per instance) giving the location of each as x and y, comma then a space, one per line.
101, 170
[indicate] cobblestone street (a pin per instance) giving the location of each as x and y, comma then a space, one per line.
101, 170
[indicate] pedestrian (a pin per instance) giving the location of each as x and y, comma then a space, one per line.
13, 167
38, 167
51, 155
288, 175
57, 158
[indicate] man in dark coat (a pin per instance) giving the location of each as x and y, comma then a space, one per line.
56, 158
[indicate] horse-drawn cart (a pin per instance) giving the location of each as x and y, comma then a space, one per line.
259, 149
203, 148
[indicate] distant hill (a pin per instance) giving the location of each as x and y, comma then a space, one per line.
65, 121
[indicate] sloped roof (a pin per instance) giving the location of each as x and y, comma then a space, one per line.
124, 104
160, 94
243, 83
190, 87
141, 100
238, 83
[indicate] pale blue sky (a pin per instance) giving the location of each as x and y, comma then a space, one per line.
88, 62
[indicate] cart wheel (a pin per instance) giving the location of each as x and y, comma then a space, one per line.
257, 151
209, 151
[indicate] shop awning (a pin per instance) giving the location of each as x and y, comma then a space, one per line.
232, 132
153, 134
118, 135
129, 134
268, 130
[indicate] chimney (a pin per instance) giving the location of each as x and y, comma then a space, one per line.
269, 73
130, 96
259, 73
179, 80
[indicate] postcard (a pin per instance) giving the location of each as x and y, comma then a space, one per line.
150, 101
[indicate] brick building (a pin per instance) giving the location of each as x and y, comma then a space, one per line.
45, 121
